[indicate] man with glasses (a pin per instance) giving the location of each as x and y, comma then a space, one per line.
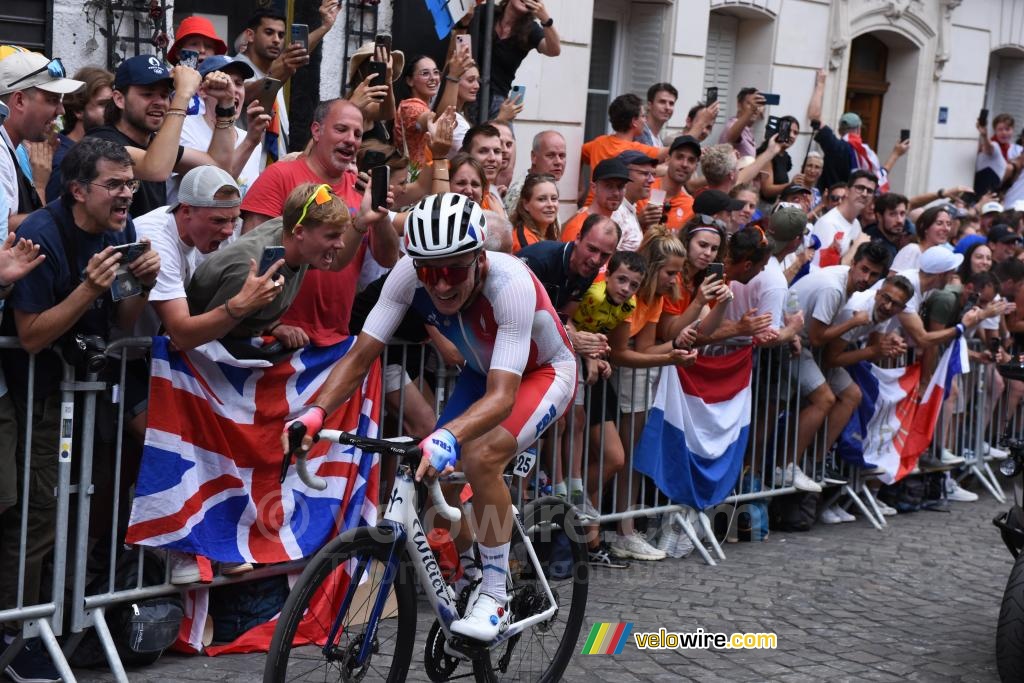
69, 294
31, 88
520, 375
1003, 241
641, 177
838, 229
609, 186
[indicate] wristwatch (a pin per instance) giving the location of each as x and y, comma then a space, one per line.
549, 23
224, 112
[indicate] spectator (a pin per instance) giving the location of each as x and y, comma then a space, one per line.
683, 157
467, 85
144, 117
468, 177
520, 26
198, 34
838, 229
83, 111
377, 102
484, 144
661, 104
700, 120
809, 174
797, 194
609, 182
423, 79
702, 239
872, 308
992, 167
718, 164
739, 131
716, 204
198, 130
32, 95
310, 229
1003, 241
641, 177
739, 218
989, 212
891, 215
625, 114
781, 163
535, 217
547, 157
68, 294
508, 155
933, 228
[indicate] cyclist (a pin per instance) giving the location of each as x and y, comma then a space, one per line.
520, 375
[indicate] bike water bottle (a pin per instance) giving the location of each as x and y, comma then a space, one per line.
440, 541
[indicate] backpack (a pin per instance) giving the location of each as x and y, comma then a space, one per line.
794, 512
752, 522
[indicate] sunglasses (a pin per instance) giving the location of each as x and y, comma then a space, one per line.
711, 221
321, 196
835, 197
760, 231
453, 275
55, 68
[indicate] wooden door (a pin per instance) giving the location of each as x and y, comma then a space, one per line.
866, 85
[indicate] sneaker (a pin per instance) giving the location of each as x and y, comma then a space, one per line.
886, 510
634, 546
673, 541
584, 509
485, 619
948, 457
795, 477
601, 557
184, 568
955, 493
997, 453
829, 516
843, 515
235, 568
32, 664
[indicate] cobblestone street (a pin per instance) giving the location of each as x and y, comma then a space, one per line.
917, 601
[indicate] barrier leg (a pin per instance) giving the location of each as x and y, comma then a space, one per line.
682, 520
983, 473
99, 622
873, 504
710, 534
12, 651
848, 490
53, 648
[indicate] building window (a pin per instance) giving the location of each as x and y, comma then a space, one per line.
602, 77
26, 23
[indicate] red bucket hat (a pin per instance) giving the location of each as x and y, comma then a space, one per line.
195, 26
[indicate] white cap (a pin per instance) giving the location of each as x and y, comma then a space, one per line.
199, 186
991, 207
939, 259
23, 69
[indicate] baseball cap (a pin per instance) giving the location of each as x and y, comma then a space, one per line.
939, 259
141, 70
711, 202
611, 169
685, 141
632, 156
991, 207
787, 224
968, 241
850, 120
793, 190
22, 69
227, 65
195, 26
199, 186
1002, 233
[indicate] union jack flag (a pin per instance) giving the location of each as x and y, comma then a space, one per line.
209, 479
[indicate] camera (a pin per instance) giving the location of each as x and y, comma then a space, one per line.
86, 352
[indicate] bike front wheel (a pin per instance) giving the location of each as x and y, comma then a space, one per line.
542, 653
312, 611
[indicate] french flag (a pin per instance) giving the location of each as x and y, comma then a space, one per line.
696, 433
895, 423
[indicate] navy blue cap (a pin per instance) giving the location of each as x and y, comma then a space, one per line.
141, 70
632, 156
685, 141
227, 65
611, 169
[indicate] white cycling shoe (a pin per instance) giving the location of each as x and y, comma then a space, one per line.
485, 619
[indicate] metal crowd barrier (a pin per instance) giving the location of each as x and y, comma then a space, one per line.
416, 385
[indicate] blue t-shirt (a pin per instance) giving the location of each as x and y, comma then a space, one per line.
549, 261
64, 143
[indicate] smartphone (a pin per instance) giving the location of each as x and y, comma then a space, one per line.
268, 93
770, 98
371, 159
771, 127
464, 41
300, 34
189, 58
380, 178
983, 117
131, 251
518, 94
379, 70
784, 134
969, 198
383, 40
904, 135
271, 255
712, 97
125, 283
716, 269
657, 195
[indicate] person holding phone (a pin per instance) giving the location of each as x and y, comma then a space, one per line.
423, 79
196, 33
781, 163
371, 91
739, 130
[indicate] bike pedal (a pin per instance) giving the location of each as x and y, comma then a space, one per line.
467, 649
451, 651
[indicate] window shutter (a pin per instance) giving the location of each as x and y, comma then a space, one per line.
719, 62
1008, 88
644, 64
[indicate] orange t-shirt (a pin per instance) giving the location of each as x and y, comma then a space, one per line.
681, 207
607, 146
521, 237
573, 226
678, 307
644, 313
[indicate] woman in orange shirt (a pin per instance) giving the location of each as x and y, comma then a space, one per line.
704, 240
535, 217
413, 115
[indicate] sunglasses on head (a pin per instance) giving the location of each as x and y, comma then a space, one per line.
710, 221
321, 196
55, 68
453, 275
760, 231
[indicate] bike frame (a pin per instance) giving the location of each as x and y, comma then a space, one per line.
405, 528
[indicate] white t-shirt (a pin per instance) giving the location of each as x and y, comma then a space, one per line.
282, 111
8, 175
858, 301
197, 134
907, 258
627, 220
178, 262
1015, 193
834, 226
821, 294
766, 293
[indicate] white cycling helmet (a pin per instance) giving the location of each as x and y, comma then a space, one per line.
443, 225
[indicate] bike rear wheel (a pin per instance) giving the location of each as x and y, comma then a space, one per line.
542, 652
396, 629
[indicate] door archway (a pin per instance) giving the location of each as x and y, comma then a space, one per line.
866, 84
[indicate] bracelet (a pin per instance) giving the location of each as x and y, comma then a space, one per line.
451, 78
361, 232
175, 112
227, 309
941, 194
223, 125
438, 177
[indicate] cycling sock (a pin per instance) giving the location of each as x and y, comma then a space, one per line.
560, 489
575, 484
470, 571
495, 567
